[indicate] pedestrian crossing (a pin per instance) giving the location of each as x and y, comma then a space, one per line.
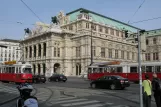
79, 102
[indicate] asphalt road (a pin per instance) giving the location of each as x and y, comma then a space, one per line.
77, 93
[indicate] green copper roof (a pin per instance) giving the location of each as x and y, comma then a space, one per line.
154, 32
102, 19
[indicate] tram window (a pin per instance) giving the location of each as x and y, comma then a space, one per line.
4, 70
27, 70
105, 69
13, 70
113, 69
148, 68
89, 70
0, 70
10, 69
157, 69
100, 70
7, 69
133, 69
119, 69
16, 69
95, 70
19, 69
143, 68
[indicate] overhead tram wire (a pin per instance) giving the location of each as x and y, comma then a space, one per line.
31, 10
136, 11
146, 20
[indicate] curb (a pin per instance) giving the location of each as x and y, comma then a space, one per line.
64, 93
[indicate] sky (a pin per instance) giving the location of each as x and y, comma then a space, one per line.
13, 11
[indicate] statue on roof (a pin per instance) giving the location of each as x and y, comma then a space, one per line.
55, 20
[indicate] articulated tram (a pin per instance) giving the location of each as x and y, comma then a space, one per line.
15, 72
126, 70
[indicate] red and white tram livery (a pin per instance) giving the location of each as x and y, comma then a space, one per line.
15, 72
128, 70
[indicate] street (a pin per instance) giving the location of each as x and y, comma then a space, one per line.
75, 93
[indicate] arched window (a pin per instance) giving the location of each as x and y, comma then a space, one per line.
154, 40
147, 42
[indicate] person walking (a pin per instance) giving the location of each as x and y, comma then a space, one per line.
147, 88
157, 90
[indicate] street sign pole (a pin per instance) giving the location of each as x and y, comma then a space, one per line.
139, 68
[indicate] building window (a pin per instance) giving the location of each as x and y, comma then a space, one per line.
58, 52
44, 49
122, 54
147, 42
39, 50
116, 54
54, 52
80, 16
86, 16
34, 50
87, 25
155, 56
30, 52
80, 25
112, 31
26, 49
110, 53
94, 50
133, 57
122, 34
77, 51
154, 40
102, 52
100, 29
106, 30
117, 33
93, 27
71, 27
128, 55
147, 56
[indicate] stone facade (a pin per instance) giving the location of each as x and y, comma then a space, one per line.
153, 46
65, 48
12, 52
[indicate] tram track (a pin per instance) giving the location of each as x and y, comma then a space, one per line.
50, 92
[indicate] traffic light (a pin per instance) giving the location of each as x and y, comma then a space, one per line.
126, 33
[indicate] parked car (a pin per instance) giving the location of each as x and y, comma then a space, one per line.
112, 82
57, 77
39, 78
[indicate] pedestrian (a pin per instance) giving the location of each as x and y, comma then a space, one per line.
147, 88
157, 90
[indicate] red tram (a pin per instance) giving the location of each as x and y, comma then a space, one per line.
129, 70
18, 73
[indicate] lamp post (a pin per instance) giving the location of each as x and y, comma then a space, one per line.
140, 72
138, 39
140, 32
